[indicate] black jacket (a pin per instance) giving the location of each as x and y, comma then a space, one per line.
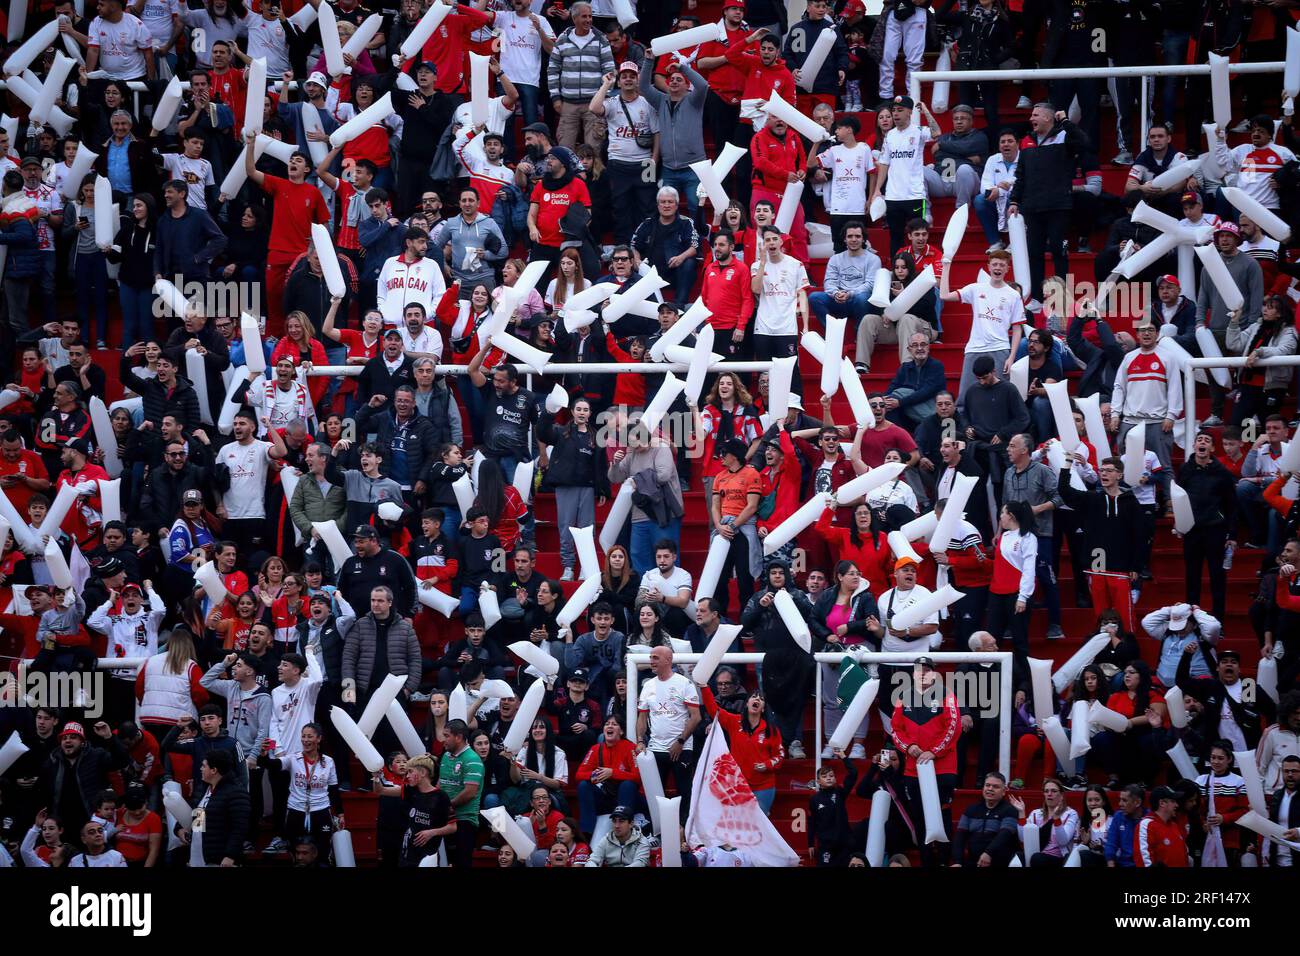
183, 402
160, 500
215, 361
1212, 492
860, 608
575, 458
375, 379
1112, 527
997, 410
983, 829
1101, 363
359, 576
133, 250
421, 441
225, 822
331, 648
1045, 172
89, 774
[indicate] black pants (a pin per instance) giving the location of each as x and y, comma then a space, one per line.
983, 736
279, 798
1205, 544
1254, 402
331, 695
318, 825
768, 347
1045, 233
898, 212
632, 195
1003, 617
722, 119
1063, 93
247, 535
460, 848
737, 560
742, 185
682, 769
932, 854
985, 94
970, 612
255, 801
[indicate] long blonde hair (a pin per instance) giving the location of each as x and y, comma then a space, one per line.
308, 330
180, 652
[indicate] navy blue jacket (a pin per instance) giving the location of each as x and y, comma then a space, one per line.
24, 255
187, 246
1119, 838
925, 380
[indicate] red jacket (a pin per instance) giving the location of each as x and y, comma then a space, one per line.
935, 731
728, 294
621, 758
1156, 843
763, 746
875, 562
629, 390
785, 482
775, 158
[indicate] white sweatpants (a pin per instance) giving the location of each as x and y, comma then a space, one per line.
909, 36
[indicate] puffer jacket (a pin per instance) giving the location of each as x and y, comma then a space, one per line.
403, 652
18, 235
225, 821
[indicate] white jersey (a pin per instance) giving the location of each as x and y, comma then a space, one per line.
624, 120
668, 703
309, 781
196, 173
267, 38
497, 118
996, 171
904, 154
121, 46
130, 635
248, 466
994, 311
429, 340
521, 47
846, 193
401, 282
158, 17
782, 282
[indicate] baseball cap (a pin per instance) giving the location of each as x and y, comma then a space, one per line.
1191, 196
579, 673
538, 128
192, 495
923, 661
319, 79
393, 334
72, 729
132, 587
427, 65
1178, 615
850, 8
1162, 793
80, 444
1228, 227
621, 813
904, 101
905, 561
32, 161
1230, 653
627, 66
1171, 280
733, 446
736, 3
364, 531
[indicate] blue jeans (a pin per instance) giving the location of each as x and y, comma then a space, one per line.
337, 355
685, 182
1174, 45
90, 273
593, 800
765, 800
451, 519
468, 600
644, 536
530, 98
986, 210
681, 279
491, 800
854, 307
137, 314
1045, 571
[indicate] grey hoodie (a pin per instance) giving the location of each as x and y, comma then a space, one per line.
681, 125
849, 273
248, 713
482, 234
1245, 271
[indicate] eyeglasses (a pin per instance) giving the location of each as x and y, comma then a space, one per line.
621, 259
175, 454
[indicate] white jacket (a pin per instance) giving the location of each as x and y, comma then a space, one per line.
130, 635
401, 282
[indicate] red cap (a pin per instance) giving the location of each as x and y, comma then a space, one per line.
854, 6
72, 729
737, 3
1172, 280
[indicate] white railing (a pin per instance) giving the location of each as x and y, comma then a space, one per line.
1229, 361
573, 368
635, 661
1099, 72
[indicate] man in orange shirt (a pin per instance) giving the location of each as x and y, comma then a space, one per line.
737, 490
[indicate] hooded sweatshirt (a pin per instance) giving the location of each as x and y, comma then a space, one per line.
1245, 271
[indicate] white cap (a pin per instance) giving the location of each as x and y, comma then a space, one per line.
1178, 615
319, 79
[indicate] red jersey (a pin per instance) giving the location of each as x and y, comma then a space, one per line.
316, 384
933, 730
85, 517
447, 48
629, 390
357, 348
872, 556
760, 80
231, 88
552, 206
297, 206
1158, 843
30, 464
728, 294
929, 257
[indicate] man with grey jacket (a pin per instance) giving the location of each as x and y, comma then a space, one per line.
580, 59
471, 243
1035, 483
377, 645
681, 126
623, 845
248, 705
850, 276
1212, 312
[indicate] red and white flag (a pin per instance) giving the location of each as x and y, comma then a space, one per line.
724, 811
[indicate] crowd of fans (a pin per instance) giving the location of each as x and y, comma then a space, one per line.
585, 157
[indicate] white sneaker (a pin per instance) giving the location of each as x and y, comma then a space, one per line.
828, 753
277, 845
567, 575
858, 752
1214, 421
795, 750
1124, 158
1241, 127
1024, 103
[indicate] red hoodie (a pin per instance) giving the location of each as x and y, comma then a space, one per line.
620, 758
776, 157
1158, 843
760, 80
763, 746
